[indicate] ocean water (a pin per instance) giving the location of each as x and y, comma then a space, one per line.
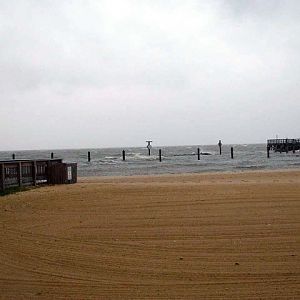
175, 160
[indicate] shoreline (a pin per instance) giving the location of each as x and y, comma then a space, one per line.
82, 179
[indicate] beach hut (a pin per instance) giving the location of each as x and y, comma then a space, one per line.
18, 173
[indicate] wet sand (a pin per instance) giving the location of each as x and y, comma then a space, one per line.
206, 236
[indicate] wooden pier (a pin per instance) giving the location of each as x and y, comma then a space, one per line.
18, 173
284, 145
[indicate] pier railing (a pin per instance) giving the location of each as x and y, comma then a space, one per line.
280, 145
284, 141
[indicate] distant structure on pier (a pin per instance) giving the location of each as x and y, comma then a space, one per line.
149, 147
284, 145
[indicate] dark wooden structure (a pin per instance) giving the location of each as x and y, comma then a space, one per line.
283, 145
18, 173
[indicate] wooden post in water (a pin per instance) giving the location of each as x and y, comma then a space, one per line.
293, 148
231, 152
287, 148
149, 147
220, 146
159, 154
123, 154
198, 152
14, 156
89, 156
52, 155
268, 151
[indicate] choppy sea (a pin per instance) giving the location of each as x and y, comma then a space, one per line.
175, 160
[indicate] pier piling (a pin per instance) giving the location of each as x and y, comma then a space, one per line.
14, 156
89, 156
231, 152
268, 151
123, 154
149, 147
159, 154
52, 155
220, 146
198, 152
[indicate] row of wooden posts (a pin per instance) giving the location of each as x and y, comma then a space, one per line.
160, 154
124, 156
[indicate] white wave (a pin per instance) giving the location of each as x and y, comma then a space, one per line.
140, 156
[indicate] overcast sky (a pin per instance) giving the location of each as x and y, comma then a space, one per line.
93, 73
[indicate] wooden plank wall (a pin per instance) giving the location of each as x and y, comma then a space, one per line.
23, 173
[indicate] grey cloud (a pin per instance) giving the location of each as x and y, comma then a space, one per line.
168, 70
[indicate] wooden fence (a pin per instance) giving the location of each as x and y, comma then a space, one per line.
18, 173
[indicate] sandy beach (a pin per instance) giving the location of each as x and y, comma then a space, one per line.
193, 236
